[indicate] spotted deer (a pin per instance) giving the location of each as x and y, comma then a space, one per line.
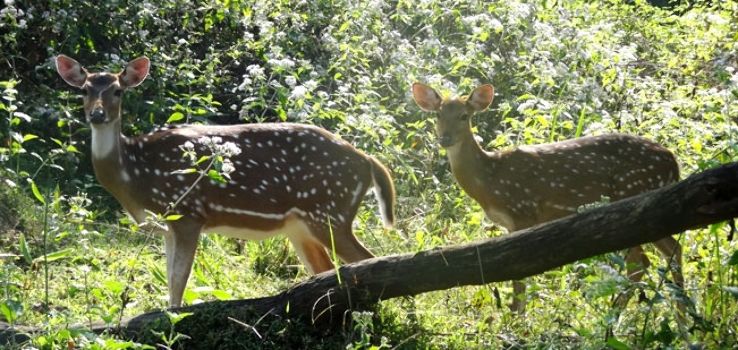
294, 179
529, 185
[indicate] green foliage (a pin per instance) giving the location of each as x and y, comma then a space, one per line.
561, 69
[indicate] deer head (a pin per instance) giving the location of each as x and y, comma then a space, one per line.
453, 123
102, 91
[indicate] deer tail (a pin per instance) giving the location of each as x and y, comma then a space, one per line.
384, 190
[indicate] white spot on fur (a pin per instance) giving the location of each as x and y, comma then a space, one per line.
356, 193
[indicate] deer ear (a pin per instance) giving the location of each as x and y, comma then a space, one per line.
481, 97
71, 71
426, 98
135, 72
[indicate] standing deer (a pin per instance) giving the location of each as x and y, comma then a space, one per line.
294, 179
529, 185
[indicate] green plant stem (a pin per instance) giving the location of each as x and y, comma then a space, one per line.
46, 252
333, 250
192, 186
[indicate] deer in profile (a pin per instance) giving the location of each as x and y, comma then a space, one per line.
294, 179
529, 185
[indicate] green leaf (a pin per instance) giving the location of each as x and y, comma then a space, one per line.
525, 97
28, 137
202, 159
158, 274
173, 217
114, 344
23, 248
344, 26
216, 176
617, 344
190, 296
57, 255
11, 309
36, 192
185, 171
23, 116
733, 261
176, 116
697, 145
580, 123
222, 295
114, 286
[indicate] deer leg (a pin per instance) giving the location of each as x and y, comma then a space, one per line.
348, 247
672, 252
518, 300
180, 246
312, 254
636, 263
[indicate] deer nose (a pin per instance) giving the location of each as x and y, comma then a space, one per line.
97, 115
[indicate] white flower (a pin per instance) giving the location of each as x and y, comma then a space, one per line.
290, 81
205, 140
187, 146
496, 25
298, 92
255, 70
229, 149
310, 85
227, 167
284, 63
246, 82
216, 146
9, 2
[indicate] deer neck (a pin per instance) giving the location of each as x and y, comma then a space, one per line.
106, 140
470, 165
109, 161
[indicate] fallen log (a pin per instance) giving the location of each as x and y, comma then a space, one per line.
702, 199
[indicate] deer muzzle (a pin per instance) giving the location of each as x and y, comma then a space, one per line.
97, 116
